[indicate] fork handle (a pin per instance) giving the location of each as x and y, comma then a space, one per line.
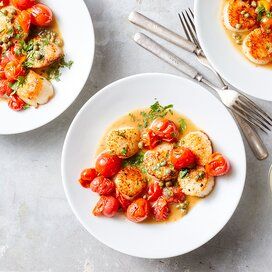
255, 142
161, 31
167, 56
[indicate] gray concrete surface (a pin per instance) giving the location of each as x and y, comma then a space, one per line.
38, 231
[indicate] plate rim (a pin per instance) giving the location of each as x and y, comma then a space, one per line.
214, 63
101, 92
81, 86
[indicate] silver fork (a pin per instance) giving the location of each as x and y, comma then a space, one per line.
239, 103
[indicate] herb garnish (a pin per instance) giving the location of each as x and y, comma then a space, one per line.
135, 160
156, 110
17, 84
183, 173
124, 151
54, 70
182, 125
260, 10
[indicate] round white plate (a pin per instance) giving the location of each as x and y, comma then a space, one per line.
79, 47
207, 218
225, 58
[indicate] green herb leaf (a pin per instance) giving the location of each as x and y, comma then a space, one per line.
156, 110
124, 151
26, 107
182, 125
136, 160
183, 173
260, 10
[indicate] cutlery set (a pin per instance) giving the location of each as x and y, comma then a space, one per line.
246, 112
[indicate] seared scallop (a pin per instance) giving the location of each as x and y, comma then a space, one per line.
47, 48
257, 46
200, 144
123, 142
239, 16
130, 182
196, 182
157, 163
35, 90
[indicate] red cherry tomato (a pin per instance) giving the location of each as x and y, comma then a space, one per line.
138, 210
2, 72
102, 186
183, 157
154, 191
7, 57
16, 103
161, 209
87, 176
218, 165
107, 206
13, 70
4, 88
108, 165
23, 20
266, 24
150, 140
173, 194
4, 3
123, 201
165, 129
41, 15
23, 4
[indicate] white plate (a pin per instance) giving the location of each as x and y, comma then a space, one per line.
79, 47
207, 218
225, 58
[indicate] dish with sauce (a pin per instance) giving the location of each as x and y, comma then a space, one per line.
250, 25
153, 165
32, 53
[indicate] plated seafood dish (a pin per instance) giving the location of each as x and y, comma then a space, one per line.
249, 24
32, 53
153, 165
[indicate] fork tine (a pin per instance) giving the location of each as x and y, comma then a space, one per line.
251, 117
191, 21
185, 29
189, 28
249, 101
192, 13
257, 114
247, 119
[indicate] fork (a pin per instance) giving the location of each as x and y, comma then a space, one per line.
253, 139
235, 101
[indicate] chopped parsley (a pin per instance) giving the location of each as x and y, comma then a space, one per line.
124, 151
17, 84
156, 110
260, 10
183, 173
135, 160
182, 125
25, 107
200, 175
54, 70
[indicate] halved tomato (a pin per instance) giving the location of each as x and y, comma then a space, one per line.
218, 165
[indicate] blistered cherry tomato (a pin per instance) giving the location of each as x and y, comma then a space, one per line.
87, 176
217, 165
107, 206
154, 191
23, 4
23, 20
183, 157
102, 186
138, 210
4, 88
13, 70
161, 209
108, 165
165, 129
150, 140
16, 103
123, 201
173, 194
266, 24
41, 15
4, 3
